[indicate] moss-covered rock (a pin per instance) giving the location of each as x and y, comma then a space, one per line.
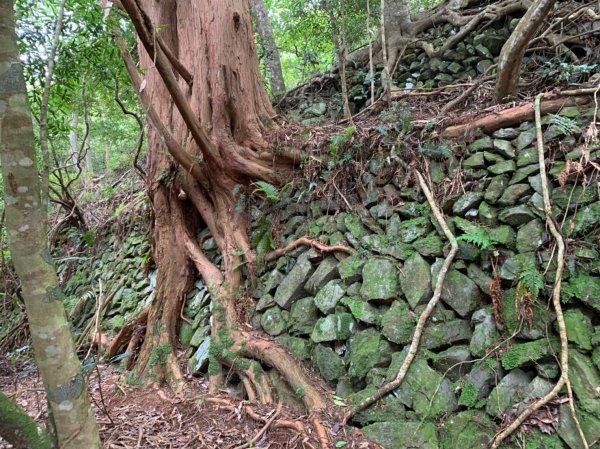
380, 280
415, 280
274, 321
403, 434
586, 288
579, 328
446, 333
458, 291
583, 221
398, 323
367, 349
411, 230
338, 326
291, 287
299, 347
468, 429
512, 388
527, 353
328, 297
328, 363
303, 316
585, 380
363, 311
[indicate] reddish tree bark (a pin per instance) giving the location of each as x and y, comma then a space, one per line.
214, 127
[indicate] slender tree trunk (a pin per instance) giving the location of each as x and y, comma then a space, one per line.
65, 385
509, 62
73, 138
272, 60
17, 428
44, 106
340, 51
218, 143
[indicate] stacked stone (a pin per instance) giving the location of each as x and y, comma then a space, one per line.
353, 317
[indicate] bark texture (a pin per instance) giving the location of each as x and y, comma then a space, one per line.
269, 45
509, 62
65, 385
213, 127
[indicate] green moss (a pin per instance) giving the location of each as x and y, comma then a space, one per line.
539, 441
468, 395
529, 352
14, 419
160, 354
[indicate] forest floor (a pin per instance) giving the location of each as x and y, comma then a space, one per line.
136, 417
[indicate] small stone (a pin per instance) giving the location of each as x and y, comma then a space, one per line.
411, 230
350, 268
526, 353
291, 287
481, 278
380, 280
579, 328
354, 226
398, 323
527, 156
328, 297
503, 167
517, 215
317, 109
523, 173
506, 133
513, 387
483, 65
485, 143
478, 384
415, 280
468, 429
274, 321
474, 161
495, 189
485, 333
430, 246
454, 68
363, 311
325, 272
303, 316
469, 200
585, 379
525, 139
584, 220
442, 334
530, 236
264, 303
451, 362
334, 327
199, 361
328, 363
513, 194
504, 148
366, 350
403, 434
586, 288
272, 281
492, 158
458, 291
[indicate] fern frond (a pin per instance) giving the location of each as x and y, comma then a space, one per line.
479, 237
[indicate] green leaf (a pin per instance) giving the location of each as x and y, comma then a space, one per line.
341, 444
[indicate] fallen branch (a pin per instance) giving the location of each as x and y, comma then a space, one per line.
512, 116
562, 330
414, 345
306, 241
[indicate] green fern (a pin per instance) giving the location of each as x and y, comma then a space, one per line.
529, 278
339, 141
269, 190
479, 237
566, 125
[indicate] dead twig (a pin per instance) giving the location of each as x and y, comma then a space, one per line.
262, 431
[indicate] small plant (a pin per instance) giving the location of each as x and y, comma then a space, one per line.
339, 401
530, 280
269, 190
300, 392
566, 125
340, 141
480, 238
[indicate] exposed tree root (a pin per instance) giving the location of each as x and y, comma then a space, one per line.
306, 241
127, 334
564, 343
262, 431
510, 117
414, 345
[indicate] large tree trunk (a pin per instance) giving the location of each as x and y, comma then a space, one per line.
57, 361
213, 124
267, 40
509, 62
